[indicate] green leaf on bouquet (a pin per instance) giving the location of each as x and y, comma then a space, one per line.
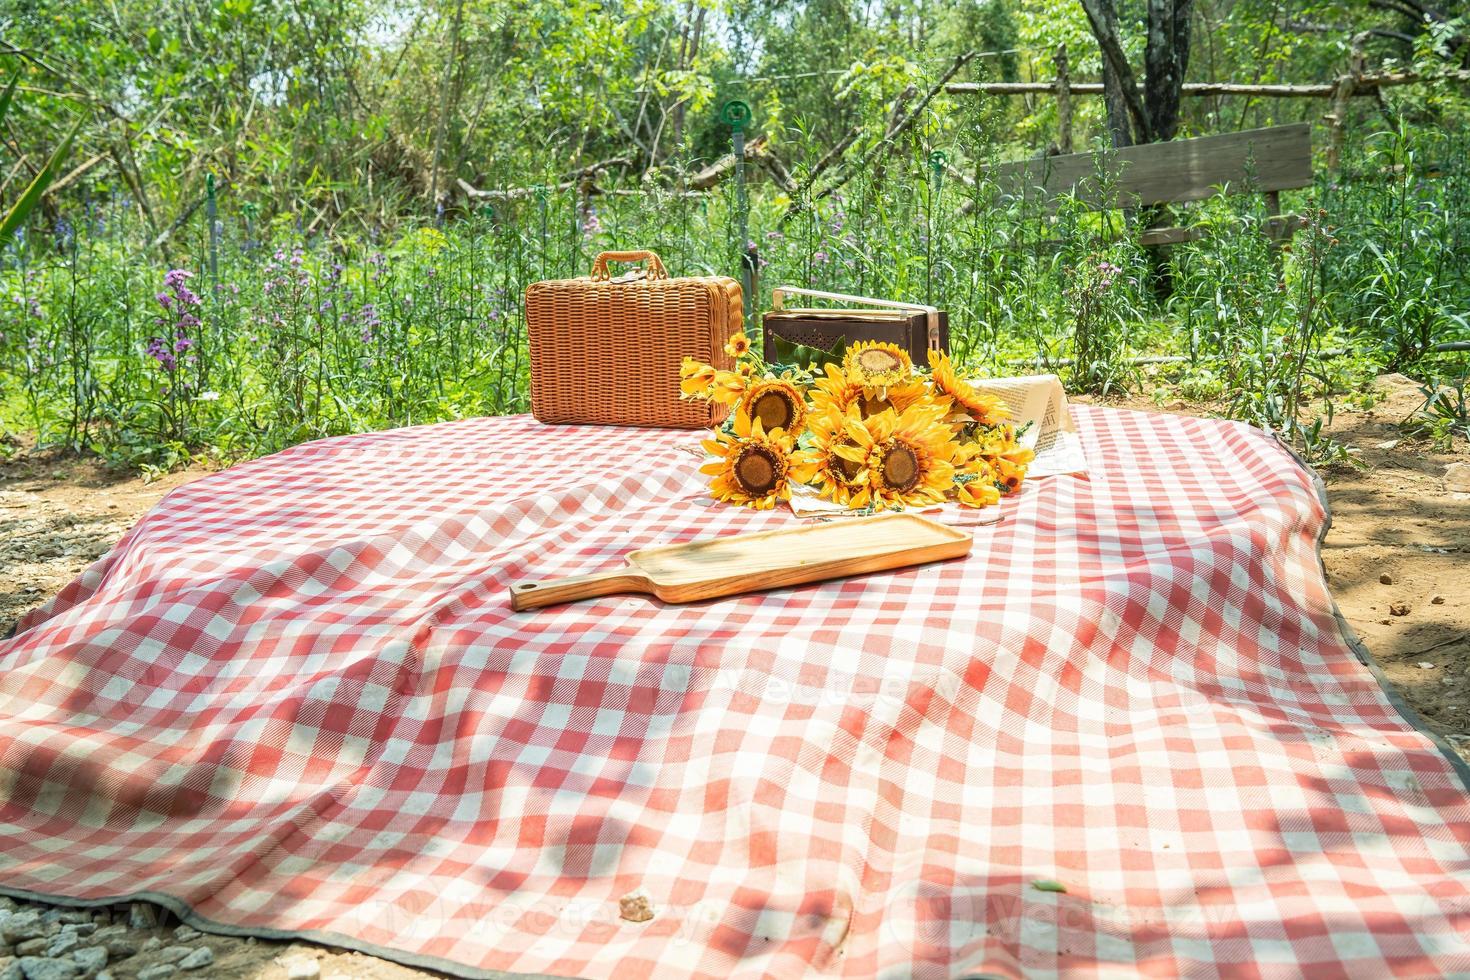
791, 354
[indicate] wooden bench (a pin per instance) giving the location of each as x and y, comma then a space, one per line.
1266, 161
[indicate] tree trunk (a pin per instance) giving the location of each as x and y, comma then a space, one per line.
1166, 57
1127, 120
1117, 107
449, 60
686, 61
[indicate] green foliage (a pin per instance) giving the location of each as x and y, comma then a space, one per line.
348, 298
338, 110
1402, 240
14, 218
305, 336
1445, 413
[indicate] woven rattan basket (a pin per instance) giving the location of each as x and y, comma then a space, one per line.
607, 351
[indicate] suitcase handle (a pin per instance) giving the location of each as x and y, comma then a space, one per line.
931, 313
656, 268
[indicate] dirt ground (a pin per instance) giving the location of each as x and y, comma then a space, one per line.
1397, 557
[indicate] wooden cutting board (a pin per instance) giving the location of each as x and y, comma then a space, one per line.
737, 563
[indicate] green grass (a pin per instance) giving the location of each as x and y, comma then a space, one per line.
298, 337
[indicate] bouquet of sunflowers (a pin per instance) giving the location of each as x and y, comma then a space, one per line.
865, 428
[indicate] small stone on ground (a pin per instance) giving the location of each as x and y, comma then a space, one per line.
64, 943
199, 958
173, 954
92, 959
22, 926
45, 968
302, 968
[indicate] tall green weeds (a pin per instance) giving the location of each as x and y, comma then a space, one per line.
106, 345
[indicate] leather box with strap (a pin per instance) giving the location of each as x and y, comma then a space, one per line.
913, 327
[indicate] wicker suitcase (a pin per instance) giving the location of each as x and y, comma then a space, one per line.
607, 351
912, 326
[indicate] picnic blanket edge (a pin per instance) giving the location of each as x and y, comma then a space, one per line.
1350, 636
338, 940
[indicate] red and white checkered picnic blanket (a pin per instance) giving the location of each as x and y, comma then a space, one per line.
294, 700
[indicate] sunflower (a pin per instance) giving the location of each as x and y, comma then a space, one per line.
739, 345
837, 393
975, 481
752, 466
695, 379
874, 364
834, 463
991, 440
728, 387
985, 472
964, 399
1009, 473
979, 491
908, 456
776, 403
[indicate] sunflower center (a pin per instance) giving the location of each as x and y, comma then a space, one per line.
876, 361
846, 467
900, 468
774, 409
757, 471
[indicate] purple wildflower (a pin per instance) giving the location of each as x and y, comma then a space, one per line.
158, 349
368, 320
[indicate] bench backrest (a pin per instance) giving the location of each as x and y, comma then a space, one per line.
1273, 159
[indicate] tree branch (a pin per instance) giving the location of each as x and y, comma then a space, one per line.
895, 129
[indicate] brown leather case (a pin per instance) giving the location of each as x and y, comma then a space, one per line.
913, 327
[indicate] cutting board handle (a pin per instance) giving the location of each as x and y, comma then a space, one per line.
534, 595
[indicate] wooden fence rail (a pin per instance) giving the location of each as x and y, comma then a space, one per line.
1362, 85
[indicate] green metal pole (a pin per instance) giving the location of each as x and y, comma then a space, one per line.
737, 114
211, 214
936, 168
